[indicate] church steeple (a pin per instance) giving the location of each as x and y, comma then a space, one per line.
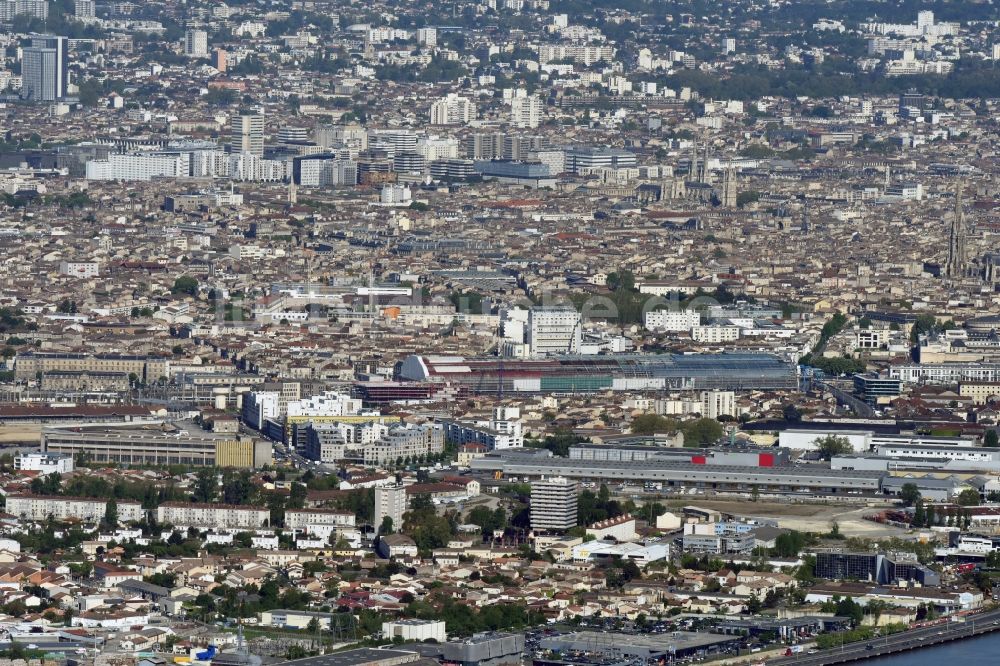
957, 252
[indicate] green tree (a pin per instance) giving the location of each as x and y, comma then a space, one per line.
991, 439
649, 424
386, 527
621, 281
833, 445
185, 284
701, 432
919, 515
969, 497
910, 494
111, 513
206, 485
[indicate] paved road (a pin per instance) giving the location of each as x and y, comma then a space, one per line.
862, 409
974, 625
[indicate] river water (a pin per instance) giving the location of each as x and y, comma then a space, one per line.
980, 650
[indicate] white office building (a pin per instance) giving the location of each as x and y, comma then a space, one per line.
411, 629
44, 69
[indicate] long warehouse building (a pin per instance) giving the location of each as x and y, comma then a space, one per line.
152, 446
814, 479
617, 372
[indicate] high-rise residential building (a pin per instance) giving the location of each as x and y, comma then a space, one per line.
553, 330
220, 59
427, 36
718, 403
393, 140
452, 110
44, 69
84, 9
390, 502
525, 110
553, 504
289, 134
482, 146
248, 134
196, 44
516, 147
38, 9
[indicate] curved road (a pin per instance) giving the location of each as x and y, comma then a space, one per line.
974, 625
861, 408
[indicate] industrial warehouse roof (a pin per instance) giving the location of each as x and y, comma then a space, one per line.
653, 463
639, 645
621, 365
659, 469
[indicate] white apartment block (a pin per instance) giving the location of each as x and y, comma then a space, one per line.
302, 519
325, 404
715, 334
666, 320
494, 434
409, 441
196, 44
427, 36
251, 167
79, 269
452, 110
212, 516
525, 111
437, 148
553, 504
718, 403
40, 507
85, 9
390, 501
554, 330
325, 172
44, 463
581, 53
139, 167
322, 524
260, 406
247, 134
